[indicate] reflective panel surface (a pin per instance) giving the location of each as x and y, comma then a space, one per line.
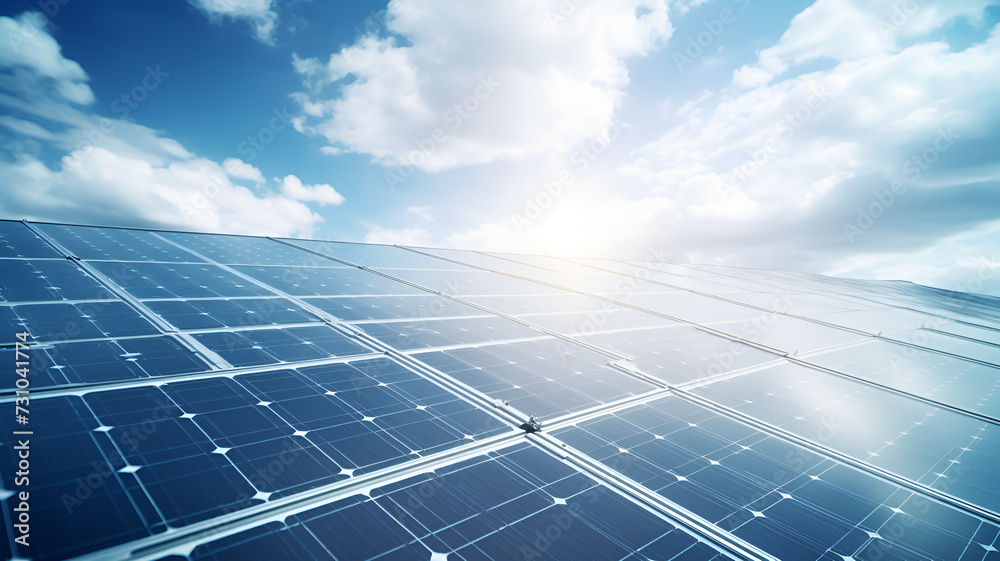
179, 396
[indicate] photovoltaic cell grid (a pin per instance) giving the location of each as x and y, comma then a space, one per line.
517, 502
933, 445
252, 398
783, 498
186, 451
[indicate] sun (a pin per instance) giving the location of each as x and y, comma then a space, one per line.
567, 231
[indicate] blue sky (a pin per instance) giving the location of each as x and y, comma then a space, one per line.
850, 137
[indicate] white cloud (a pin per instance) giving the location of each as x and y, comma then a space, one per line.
415, 236
849, 30
323, 194
331, 150
238, 169
117, 172
835, 139
496, 79
108, 188
684, 6
25, 128
840, 137
28, 45
259, 13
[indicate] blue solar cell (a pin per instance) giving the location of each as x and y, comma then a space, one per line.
376, 256
61, 322
545, 377
786, 500
270, 346
519, 503
354, 433
159, 440
230, 250
244, 312
89, 362
201, 448
325, 281
115, 244
178, 280
195, 488
239, 426
127, 453
680, 353
267, 542
393, 307
908, 437
394, 411
78, 501
17, 240
424, 333
45, 281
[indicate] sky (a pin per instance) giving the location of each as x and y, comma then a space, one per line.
845, 137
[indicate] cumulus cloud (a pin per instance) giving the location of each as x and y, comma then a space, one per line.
453, 85
107, 188
238, 169
863, 169
323, 194
30, 47
797, 171
114, 171
258, 13
849, 30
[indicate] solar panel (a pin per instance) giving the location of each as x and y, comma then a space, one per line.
171, 280
203, 396
254, 347
106, 360
543, 377
230, 312
920, 372
16, 240
679, 354
83, 320
376, 256
247, 250
113, 244
517, 502
415, 306
932, 445
43, 281
315, 281
790, 501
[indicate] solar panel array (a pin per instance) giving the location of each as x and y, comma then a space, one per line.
177, 396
